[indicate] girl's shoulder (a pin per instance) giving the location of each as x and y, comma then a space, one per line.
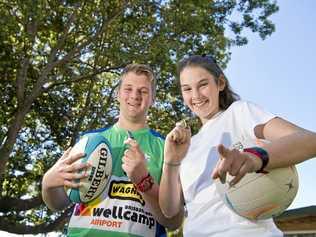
242, 106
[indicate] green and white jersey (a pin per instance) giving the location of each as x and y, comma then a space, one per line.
120, 210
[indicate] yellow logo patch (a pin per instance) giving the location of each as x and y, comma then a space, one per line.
125, 190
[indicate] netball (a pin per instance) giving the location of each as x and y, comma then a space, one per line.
261, 196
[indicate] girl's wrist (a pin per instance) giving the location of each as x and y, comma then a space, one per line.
261, 158
172, 163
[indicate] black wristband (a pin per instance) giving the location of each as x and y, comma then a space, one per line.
260, 153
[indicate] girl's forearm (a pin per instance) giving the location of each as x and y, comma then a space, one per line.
170, 192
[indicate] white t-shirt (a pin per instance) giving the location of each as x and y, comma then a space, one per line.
207, 213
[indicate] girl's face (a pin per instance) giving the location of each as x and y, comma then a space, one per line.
200, 91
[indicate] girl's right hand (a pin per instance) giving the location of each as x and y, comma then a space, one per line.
177, 143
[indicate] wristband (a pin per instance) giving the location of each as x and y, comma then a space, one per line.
145, 184
260, 153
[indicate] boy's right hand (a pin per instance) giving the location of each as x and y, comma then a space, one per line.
66, 170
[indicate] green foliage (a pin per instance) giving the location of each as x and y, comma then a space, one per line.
59, 65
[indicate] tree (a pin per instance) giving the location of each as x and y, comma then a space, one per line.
59, 63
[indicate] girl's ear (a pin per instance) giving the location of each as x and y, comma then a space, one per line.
221, 82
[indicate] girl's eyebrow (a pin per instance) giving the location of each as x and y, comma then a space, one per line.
201, 81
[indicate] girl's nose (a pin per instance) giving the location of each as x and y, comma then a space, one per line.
195, 93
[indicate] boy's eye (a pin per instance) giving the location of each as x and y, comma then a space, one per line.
186, 89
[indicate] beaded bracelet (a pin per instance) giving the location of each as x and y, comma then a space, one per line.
172, 163
145, 184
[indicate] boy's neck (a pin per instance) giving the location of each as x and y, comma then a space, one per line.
130, 125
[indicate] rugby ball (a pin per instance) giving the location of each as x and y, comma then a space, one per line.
98, 154
260, 196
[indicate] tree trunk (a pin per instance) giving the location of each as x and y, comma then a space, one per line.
12, 134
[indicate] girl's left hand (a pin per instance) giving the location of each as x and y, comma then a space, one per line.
236, 163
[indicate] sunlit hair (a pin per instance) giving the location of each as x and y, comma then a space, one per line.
140, 69
226, 96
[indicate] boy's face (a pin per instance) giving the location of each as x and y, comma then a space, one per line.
135, 96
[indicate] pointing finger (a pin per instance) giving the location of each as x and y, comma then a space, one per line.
215, 173
131, 142
218, 172
223, 151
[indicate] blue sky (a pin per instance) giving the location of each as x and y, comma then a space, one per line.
278, 74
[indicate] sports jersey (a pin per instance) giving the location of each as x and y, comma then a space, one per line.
120, 210
207, 213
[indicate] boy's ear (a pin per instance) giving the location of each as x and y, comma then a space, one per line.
117, 94
153, 99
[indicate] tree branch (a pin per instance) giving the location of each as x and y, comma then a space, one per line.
43, 78
61, 41
76, 50
16, 204
107, 104
11, 136
21, 78
82, 115
83, 77
45, 227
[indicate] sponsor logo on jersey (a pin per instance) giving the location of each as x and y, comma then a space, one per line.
125, 190
118, 213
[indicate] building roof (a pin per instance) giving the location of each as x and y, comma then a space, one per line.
309, 211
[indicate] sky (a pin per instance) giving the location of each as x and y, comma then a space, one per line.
278, 74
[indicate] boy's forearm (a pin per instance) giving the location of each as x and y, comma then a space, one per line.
55, 198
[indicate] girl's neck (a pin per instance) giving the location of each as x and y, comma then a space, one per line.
211, 116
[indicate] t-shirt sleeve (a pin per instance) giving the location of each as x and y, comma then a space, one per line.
250, 115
